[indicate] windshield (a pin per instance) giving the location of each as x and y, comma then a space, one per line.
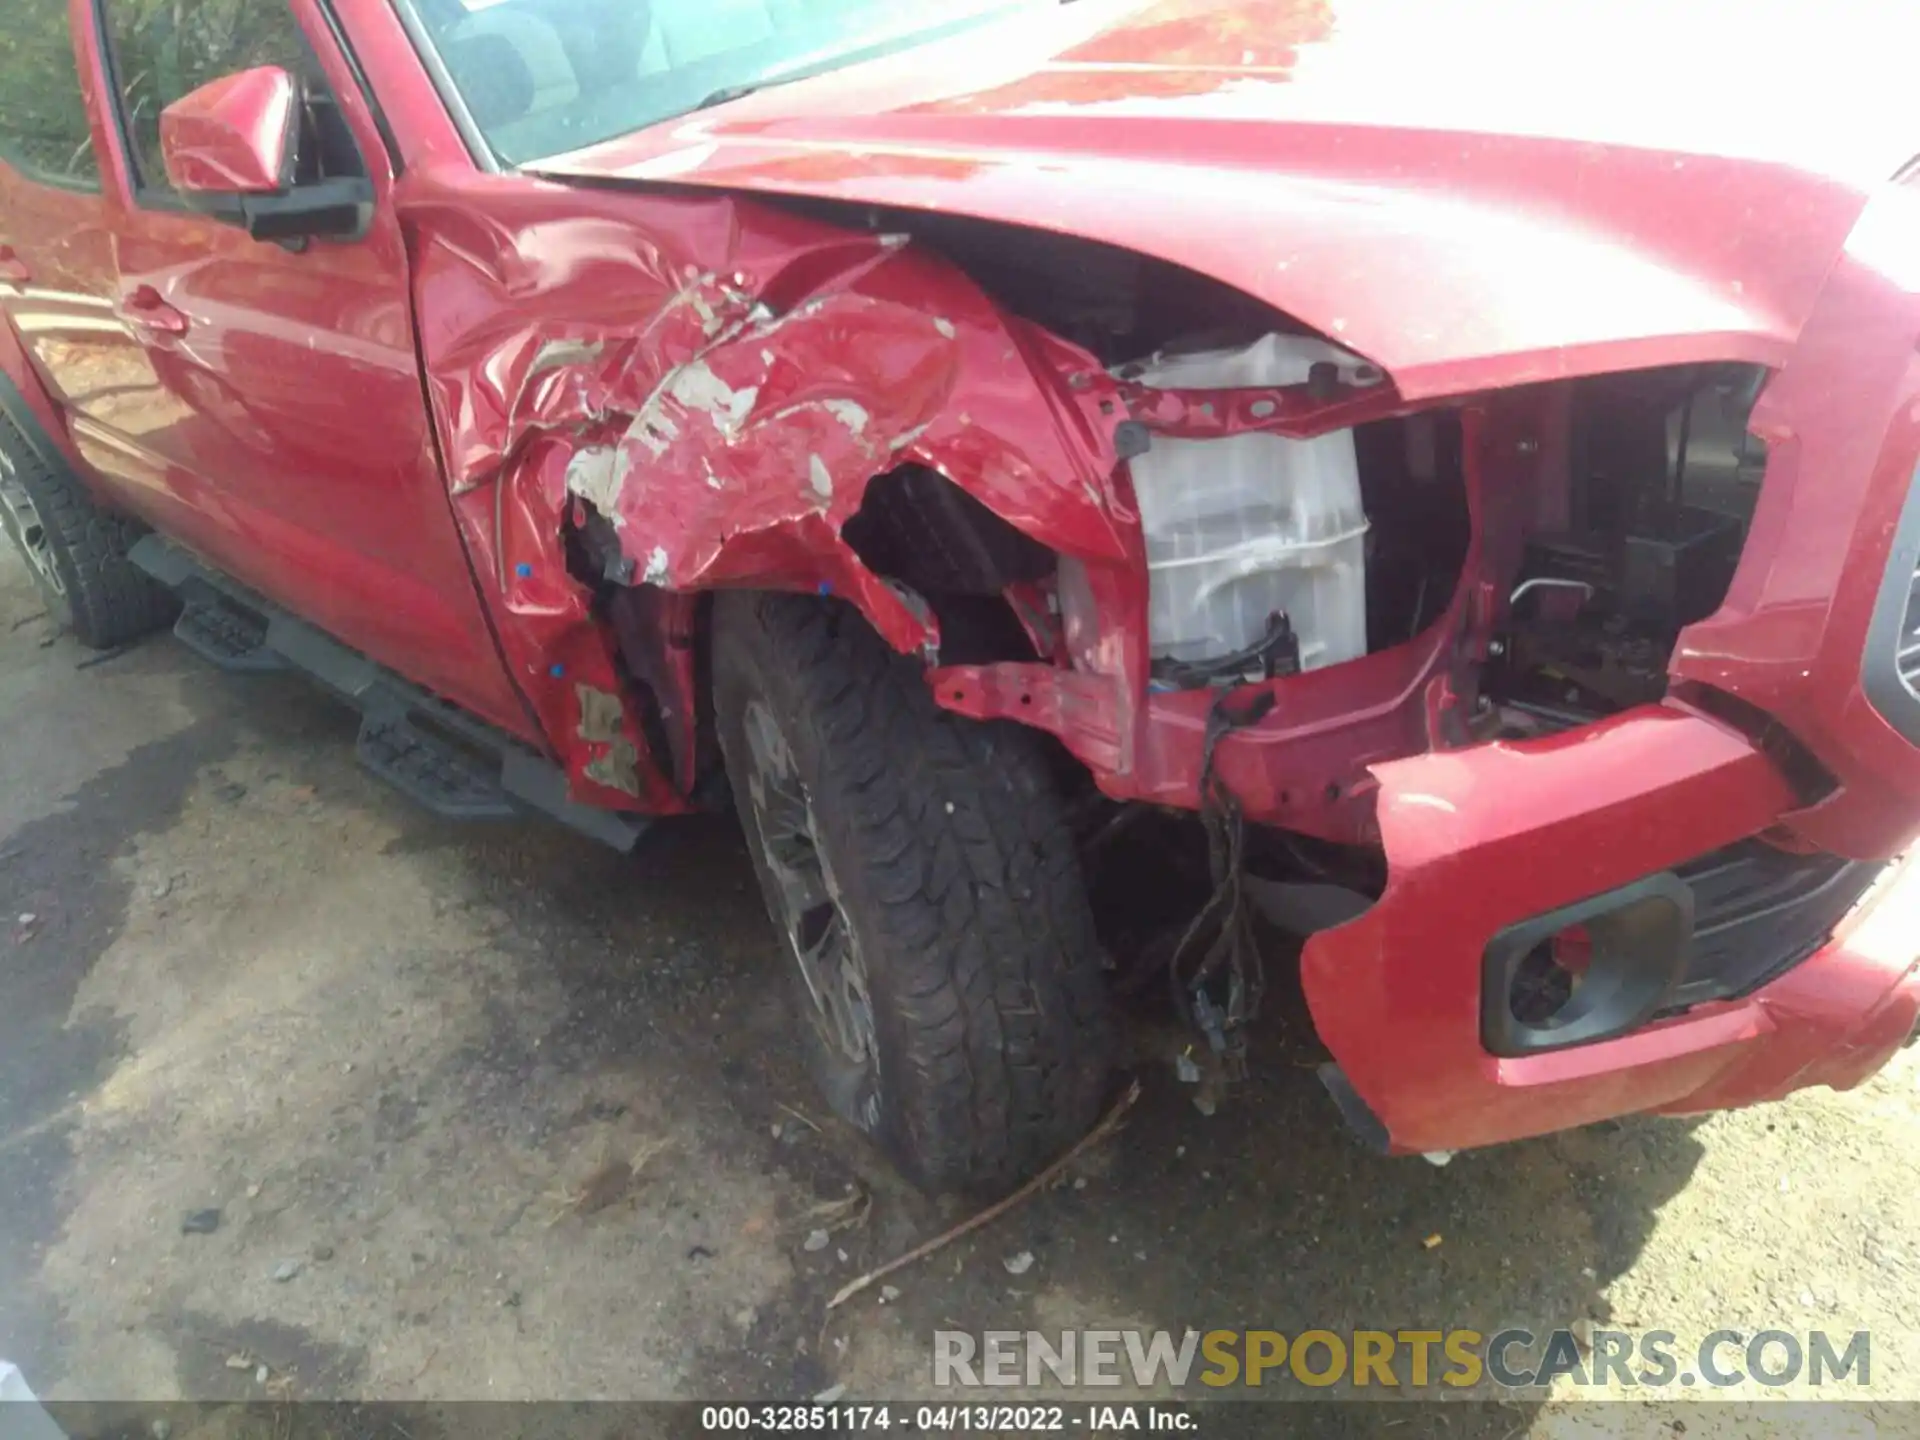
541, 77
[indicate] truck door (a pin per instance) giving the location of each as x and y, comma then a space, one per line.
56, 242
283, 432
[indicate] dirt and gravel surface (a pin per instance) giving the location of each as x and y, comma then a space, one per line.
493, 1113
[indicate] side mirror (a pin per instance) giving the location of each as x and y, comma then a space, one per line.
232, 150
238, 135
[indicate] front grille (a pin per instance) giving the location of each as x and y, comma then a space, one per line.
1758, 912
1890, 671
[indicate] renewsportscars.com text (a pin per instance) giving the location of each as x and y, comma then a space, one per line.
1398, 1359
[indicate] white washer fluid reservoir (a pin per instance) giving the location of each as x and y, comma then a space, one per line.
1246, 526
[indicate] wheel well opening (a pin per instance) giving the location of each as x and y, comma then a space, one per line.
917, 528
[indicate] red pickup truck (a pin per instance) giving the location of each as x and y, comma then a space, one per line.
1478, 496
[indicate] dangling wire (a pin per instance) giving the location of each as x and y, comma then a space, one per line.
1226, 916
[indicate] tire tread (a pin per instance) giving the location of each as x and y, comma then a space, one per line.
110, 600
976, 900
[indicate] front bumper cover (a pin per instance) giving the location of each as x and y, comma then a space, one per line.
1477, 841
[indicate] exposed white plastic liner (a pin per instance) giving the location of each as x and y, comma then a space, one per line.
1246, 526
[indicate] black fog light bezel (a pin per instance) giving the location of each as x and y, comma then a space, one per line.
1641, 938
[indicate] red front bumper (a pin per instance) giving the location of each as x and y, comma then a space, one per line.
1836, 1018
1479, 840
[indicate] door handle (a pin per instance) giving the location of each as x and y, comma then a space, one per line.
13, 270
143, 308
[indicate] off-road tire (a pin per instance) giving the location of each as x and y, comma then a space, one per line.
957, 875
101, 597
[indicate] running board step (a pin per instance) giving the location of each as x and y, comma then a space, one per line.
232, 638
435, 772
453, 763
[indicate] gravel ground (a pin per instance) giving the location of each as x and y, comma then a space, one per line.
409, 1063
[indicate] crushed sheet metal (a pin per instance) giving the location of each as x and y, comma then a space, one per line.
603, 723
590, 475
718, 382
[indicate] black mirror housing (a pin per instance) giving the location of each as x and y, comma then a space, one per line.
339, 209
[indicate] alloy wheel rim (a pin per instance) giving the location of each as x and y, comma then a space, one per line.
810, 915
28, 529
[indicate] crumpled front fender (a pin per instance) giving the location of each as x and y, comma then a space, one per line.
738, 462
718, 383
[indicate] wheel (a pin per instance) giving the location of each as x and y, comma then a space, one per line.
75, 551
920, 870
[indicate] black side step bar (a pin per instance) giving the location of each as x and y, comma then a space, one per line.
225, 635
453, 763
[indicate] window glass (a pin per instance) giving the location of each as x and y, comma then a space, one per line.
164, 50
543, 76
43, 117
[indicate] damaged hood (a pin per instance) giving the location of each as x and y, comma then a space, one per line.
1479, 193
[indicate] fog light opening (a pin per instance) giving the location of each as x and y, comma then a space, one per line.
1588, 971
1546, 982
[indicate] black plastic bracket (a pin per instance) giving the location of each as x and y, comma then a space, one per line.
1641, 939
1131, 440
1364, 1125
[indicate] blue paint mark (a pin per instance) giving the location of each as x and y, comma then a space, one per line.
523, 570
557, 671
826, 587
